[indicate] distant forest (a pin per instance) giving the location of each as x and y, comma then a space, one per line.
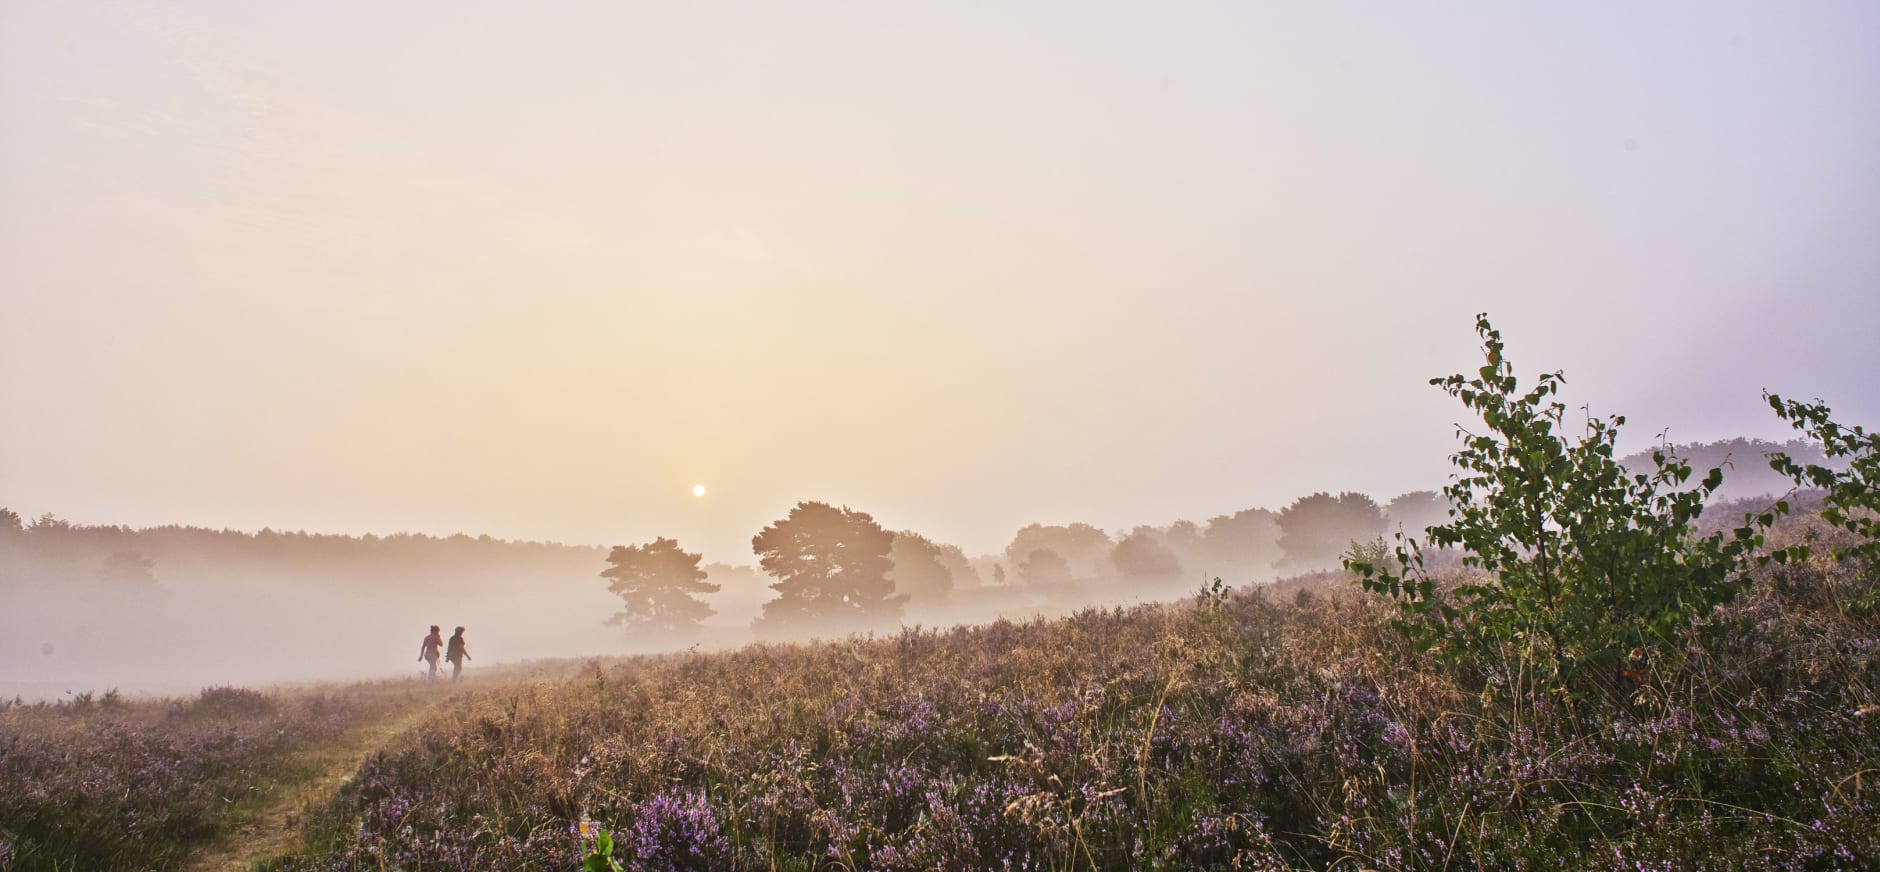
53, 550
1069, 564
52, 553
1746, 472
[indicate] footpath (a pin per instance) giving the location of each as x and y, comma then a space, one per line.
275, 829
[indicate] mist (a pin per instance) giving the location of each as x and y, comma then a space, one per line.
169, 610
221, 607
173, 609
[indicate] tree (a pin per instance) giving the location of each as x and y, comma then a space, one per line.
1316, 529
1245, 543
1141, 556
1852, 500
1045, 568
12, 550
128, 570
1185, 540
1183, 537
659, 584
1417, 511
1582, 561
958, 566
918, 571
832, 568
1747, 479
1084, 549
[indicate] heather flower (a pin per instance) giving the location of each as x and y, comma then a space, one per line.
678, 831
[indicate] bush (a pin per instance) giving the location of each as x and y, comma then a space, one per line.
227, 702
1852, 495
1583, 566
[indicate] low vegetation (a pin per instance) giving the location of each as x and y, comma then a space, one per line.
1289, 727
104, 783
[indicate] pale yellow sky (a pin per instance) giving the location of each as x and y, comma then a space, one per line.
450, 267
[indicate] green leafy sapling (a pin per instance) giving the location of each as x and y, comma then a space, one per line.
1851, 497
1580, 562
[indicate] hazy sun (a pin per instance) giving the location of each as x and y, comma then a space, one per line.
698, 490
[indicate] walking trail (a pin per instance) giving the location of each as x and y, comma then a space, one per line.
275, 830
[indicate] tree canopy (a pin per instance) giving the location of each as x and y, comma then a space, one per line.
659, 584
1044, 567
1085, 549
1417, 511
1316, 529
1141, 556
128, 569
832, 567
920, 570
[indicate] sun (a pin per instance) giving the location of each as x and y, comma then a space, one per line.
698, 490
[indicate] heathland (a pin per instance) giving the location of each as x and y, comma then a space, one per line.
1587, 665
1287, 726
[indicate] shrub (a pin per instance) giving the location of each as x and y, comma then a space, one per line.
228, 702
1583, 565
1852, 495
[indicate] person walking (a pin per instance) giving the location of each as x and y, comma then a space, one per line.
456, 654
427, 651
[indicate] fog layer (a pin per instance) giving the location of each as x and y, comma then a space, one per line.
174, 609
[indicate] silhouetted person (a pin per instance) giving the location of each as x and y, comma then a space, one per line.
427, 651
456, 654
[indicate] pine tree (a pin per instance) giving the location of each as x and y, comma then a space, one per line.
659, 583
832, 569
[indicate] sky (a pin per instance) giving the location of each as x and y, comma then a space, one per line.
440, 267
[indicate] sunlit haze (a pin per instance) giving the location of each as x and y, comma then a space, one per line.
444, 267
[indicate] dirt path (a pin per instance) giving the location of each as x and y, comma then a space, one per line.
276, 829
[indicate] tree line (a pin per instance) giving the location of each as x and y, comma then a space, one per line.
1063, 562
831, 569
836, 570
